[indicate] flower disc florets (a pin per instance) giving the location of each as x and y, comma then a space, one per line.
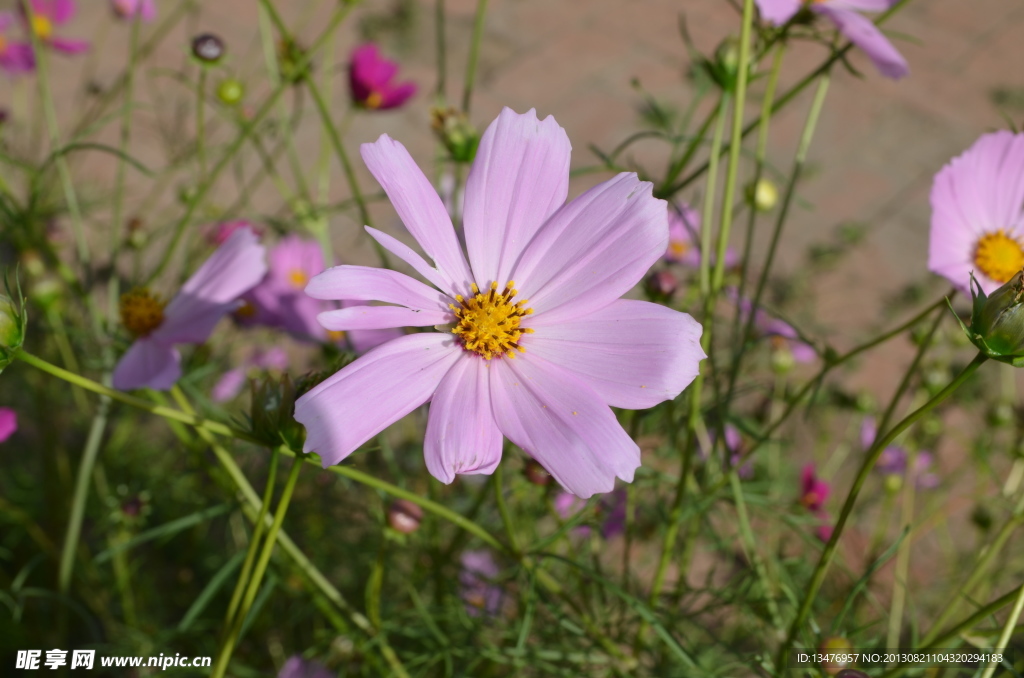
141, 311
488, 324
999, 256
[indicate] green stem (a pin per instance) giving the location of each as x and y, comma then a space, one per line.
474, 54
750, 547
1008, 629
707, 217
869, 462
201, 124
506, 517
442, 50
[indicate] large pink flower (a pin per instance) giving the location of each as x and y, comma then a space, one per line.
858, 29
15, 57
577, 347
211, 293
978, 214
45, 16
371, 78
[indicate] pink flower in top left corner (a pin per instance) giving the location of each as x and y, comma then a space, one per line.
211, 293
45, 16
533, 341
15, 57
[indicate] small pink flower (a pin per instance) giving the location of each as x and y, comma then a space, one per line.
477, 584
211, 293
813, 490
15, 57
684, 239
371, 78
47, 15
231, 382
129, 9
782, 334
893, 460
978, 214
540, 360
8, 423
297, 667
858, 29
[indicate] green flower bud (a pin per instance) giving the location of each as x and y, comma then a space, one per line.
835, 646
893, 483
1001, 414
273, 401
12, 328
763, 195
455, 131
230, 92
782, 361
997, 321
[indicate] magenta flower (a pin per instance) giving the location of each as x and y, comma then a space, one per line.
297, 667
476, 583
231, 382
578, 348
978, 214
814, 492
371, 78
858, 29
15, 57
211, 293
45, 16
893, 460
8, 423
129, 9
684, 239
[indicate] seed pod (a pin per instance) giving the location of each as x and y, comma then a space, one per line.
208, 48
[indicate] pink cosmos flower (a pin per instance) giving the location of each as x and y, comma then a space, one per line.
211, 293
8, 423
814, 492
217, 234
893, 460
978, 214
48, 14
684, 239
782, 334
15, 57
280, 301
371, 78
297, 667
231, 382
129, 9
858, 29
476, 583
538, 360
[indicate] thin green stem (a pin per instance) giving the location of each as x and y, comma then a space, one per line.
201, 125
474, 54
869, 462
707, 217
1008, 629
506, 517
442, 50
750, 547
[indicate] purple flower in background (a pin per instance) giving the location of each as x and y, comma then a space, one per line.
893, 460
978, 214
371, 78
568, 505
612, 510
813, 493
858, 29
211, 293
297, 667
8, 423
129, 9
15, 57
540, 360
782, 334
231, 382
476, 583
45, 16
684, 239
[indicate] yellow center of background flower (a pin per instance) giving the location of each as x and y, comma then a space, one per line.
298, 278
999, 256
488, 324
42, 26
678, 248
141, 312
335, 335
374, 100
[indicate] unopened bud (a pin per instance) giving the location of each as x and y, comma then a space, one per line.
208, 48
661, 284
893, 483
405, 516
455, 131
782, 361
838, 647
1001, 414
997, 321
763, 195
230, 92
535, 473
12, 329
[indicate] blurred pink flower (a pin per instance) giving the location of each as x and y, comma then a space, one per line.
684, 239
858, 29
813, 494
221, 231
128, 9
579, 349
978, 214
568, 505
782, 334
297, 667
371, 78
477, 587
734, 448
211, 293
231, 382
15, 57
893, 460
8, 423
45, 16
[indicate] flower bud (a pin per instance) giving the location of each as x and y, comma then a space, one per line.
1001, 414
405, 516
782, 361
208, 48
997, 321
455, 131
12, 328
763, 195
230, 92
293, 64
273, 402
893, 483
661, 284
535, 473
834, 646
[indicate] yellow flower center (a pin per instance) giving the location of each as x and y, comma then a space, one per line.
141, 312
374, 100
3, 45
810, 500
335, 335
298, 278
999, 256
42, 26
678, 248
488, 324
246, 310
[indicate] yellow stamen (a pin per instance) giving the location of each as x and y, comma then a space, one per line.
298, 278
677, 248
488, 324
42, 26
999, 256
374, 100
141, 312
335, 335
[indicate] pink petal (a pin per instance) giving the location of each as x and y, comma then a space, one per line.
861, 5
634, 354
228, 386
778, 12
562, 423
68, 46
212, 291
8, 423
418, 206
393, 97
380, 318
148, 10
362, 341
148, 364
461, 434
409, 256
61, 11
6, 21
374, 392
518, 180
593, 250
862, 32
361, 283
294, 255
